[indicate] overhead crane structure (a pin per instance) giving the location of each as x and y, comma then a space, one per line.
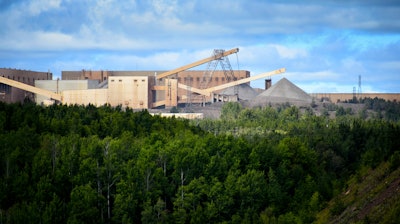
208, 74
197, 63
171, 85
212, 65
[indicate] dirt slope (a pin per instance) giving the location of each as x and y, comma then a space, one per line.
371, 197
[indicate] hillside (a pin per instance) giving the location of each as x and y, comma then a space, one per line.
371, 196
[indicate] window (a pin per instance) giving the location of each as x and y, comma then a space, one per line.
6, 89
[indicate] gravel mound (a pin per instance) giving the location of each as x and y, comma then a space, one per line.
283, 91
244, 90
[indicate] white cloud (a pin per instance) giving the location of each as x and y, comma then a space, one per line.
392, 65
156, 61
317, 43
313, 76
325, 87
38, 6
332, 87
353, 65
166, 8
290, 53
38, 40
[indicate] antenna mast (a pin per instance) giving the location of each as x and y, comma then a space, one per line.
359, 86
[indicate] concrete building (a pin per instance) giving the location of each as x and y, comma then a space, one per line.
84, 74
59, 86
11, 94
131, 91
128, 91
194, 78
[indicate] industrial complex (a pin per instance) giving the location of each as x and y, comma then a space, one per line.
155, 89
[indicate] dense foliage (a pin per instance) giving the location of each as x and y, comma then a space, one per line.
74, 164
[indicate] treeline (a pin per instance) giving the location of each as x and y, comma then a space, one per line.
383, 109
75, 164
389, 110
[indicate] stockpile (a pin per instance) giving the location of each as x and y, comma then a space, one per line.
245, 92
281, 92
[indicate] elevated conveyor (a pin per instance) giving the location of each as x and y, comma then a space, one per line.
32, 89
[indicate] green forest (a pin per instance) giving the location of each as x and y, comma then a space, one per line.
87, 164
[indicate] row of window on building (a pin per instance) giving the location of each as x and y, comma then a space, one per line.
120, 80
23, 79
216, 79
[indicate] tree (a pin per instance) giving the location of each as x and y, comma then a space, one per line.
251, 188
277, 196
83, 205
230, 110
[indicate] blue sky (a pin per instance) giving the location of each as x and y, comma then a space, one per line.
324, 45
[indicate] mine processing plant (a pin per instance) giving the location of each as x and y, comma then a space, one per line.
145, 91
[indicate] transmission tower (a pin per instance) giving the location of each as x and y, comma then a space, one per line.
359, 86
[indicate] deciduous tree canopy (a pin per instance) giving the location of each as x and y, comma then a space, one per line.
74, 164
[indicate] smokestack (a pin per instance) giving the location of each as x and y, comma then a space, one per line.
268, 83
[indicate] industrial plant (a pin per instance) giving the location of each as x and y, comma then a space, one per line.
158, 89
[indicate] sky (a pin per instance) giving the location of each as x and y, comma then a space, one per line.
325, 46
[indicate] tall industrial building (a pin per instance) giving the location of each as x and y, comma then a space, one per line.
11, 94
193, 78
